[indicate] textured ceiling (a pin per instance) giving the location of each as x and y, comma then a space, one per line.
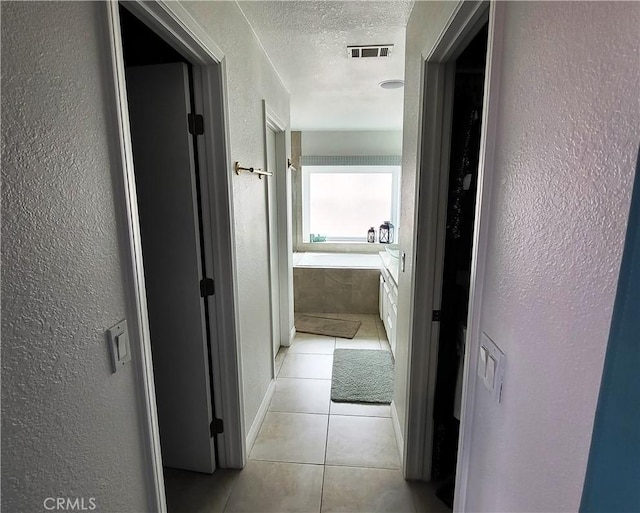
307, 40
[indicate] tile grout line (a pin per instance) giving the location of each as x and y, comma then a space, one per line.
326, 447
233, 487
326, 442
324, 473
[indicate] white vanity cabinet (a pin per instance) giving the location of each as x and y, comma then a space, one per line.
388, 299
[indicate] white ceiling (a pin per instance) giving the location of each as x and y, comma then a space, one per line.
307, 43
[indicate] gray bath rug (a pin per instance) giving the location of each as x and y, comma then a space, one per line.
328, 327
362, 376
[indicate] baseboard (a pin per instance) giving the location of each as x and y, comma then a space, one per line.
292, 335
259, 418
398, 432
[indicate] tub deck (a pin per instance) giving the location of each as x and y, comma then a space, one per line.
337, 260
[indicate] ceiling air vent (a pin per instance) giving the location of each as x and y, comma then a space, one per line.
358, 52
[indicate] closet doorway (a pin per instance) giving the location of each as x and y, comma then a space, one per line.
458, 104
464, 149
170, 206
175, 207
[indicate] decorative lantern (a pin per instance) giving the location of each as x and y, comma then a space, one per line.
386, 233
371, 235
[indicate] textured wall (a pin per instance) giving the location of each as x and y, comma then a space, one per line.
69, 426
567, 139
425, 24
250, 79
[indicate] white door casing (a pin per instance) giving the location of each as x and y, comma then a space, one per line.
279, 202
274, 257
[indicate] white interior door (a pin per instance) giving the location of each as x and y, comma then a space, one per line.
273, 239
159, 104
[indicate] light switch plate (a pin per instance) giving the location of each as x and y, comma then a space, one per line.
491, 368
119, 348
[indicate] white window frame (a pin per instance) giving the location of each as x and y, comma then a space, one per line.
307, 170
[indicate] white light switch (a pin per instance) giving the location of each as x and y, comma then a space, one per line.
118, 339
122, 341
491, 371
482, 362
493, 361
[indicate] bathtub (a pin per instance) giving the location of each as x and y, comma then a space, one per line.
337, 260
336, 282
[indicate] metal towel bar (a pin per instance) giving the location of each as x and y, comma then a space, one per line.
237, 167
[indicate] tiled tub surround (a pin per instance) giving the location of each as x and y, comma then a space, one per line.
340, 282
335, 290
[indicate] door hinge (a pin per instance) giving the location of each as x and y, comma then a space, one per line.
207, 287
435, 316
196, 124
217, 427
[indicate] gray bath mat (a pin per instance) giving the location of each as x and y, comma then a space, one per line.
328, 327
362, 376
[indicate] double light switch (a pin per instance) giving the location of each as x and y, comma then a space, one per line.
491, 363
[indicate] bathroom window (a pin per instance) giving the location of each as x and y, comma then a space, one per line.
340, 203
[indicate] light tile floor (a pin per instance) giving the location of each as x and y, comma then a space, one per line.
311, 454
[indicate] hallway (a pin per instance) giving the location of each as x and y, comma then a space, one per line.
312, 454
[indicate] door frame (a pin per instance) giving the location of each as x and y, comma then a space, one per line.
280, 245
175, 25
277, 126
433, 163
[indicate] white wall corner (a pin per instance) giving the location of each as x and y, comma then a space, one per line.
292, 335
259, 418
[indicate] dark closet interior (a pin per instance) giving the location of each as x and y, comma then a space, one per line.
142, 46
463, 176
